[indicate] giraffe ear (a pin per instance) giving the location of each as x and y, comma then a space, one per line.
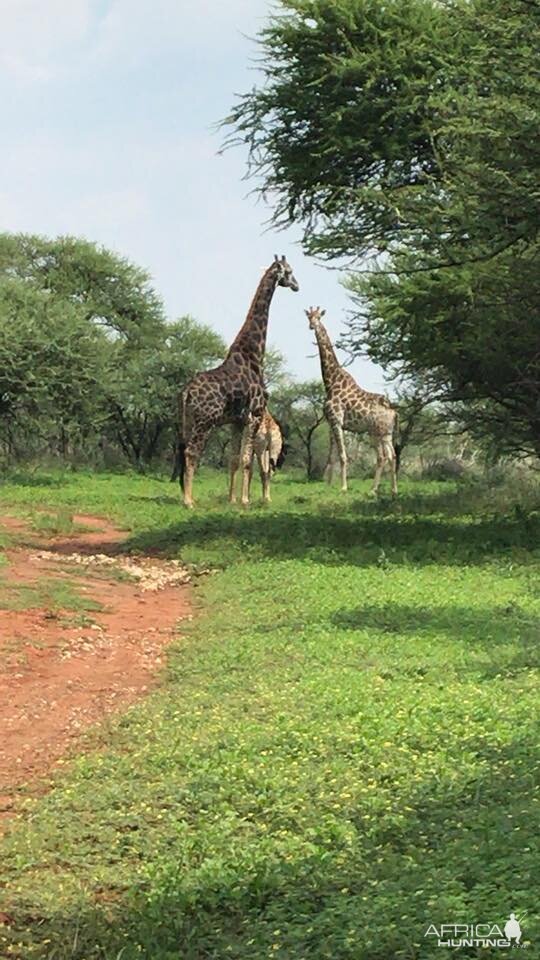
323, 313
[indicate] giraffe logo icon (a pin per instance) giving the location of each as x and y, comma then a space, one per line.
512, 929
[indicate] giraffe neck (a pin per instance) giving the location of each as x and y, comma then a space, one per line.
329, 362
251, 338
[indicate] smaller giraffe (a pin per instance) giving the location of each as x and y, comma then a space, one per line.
269, 449
349, 407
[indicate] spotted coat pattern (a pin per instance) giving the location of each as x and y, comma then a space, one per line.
233, 392
349, 407
267, 449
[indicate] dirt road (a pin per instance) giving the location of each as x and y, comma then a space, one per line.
82, 634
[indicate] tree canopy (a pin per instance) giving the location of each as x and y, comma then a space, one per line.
108, 289
87, 359
51, 359
404, 136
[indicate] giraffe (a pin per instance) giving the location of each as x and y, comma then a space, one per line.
269, 449
349, 407
234, 391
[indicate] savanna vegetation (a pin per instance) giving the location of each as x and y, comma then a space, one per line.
91, 370
344, 745
402, 138
344, 748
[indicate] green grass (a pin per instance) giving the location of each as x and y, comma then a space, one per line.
345, 748
5, 541
79, 620
54, 524
84, 571
49, 593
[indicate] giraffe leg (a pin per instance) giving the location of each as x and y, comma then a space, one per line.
264, 470
246, 457
339, 440
391, 460
330, 466
193, 453
250, 476
234, 463
381, 460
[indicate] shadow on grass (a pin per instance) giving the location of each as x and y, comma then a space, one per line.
337, 538
161, 500
454, 848
508, 633
481, 626
464, 501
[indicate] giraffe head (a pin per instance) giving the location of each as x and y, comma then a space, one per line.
286, 277
314, 315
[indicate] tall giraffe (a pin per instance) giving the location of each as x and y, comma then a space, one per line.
269, 449
234, 392
349, 407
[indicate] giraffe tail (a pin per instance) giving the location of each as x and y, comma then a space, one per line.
396, 442
282, 454
179, 469
179, 463
280, 459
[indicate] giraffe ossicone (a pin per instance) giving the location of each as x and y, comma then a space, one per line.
234, 392
350, 408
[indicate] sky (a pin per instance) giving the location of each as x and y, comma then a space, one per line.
109, 113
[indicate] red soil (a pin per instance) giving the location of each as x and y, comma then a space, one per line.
62, 671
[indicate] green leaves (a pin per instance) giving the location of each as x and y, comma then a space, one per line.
300, 410
143, 385
410, 129
339, 126
343, 750
87, 359
111, 291
49, 356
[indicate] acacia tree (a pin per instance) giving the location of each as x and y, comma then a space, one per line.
51, 364
405, 134
110, 290
300, 410
144, 386
86, 355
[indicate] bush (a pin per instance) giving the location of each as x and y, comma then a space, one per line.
445, 468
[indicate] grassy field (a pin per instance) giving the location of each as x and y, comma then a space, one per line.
344, 749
